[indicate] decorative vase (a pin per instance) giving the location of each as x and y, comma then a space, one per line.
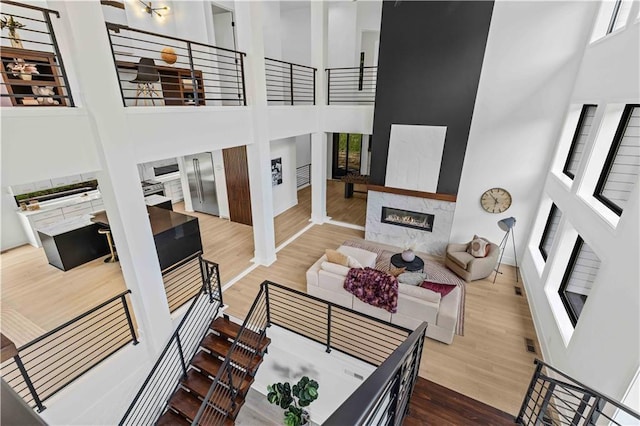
408, 255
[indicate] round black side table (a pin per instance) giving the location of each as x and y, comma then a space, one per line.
417, 265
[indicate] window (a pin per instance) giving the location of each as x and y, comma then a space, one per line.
578, 279
621, 169
619, 15
346, 154
549, 232
579, 140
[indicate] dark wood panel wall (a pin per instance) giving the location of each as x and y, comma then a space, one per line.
238, 192
429, 64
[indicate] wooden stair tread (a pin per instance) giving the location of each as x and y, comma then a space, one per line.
185, 403
231, 329
210, 365
171, 418
241, 356
200, 384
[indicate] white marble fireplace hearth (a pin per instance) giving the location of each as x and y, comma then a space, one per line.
433, 243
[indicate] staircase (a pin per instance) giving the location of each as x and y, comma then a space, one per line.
217, 345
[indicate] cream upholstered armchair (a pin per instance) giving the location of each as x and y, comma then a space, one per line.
468, 267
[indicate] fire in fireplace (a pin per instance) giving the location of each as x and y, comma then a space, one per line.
409, 219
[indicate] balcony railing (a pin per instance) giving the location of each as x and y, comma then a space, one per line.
159, 70
351, 86
290, 84
303, 176
33, 73
47, 364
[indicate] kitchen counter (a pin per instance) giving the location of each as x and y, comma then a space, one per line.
71, 200
66, 225
176, 235
158, 201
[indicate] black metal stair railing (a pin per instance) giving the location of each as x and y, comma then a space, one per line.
369, 339
49, 363
351, 85
183, 281
162, 381
33, 73
247, 345
289, 83
159, 70
554, 398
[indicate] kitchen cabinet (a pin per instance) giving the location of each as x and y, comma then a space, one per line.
32, 221
24, 188
173, 190
66, 180
20, 90
43, 184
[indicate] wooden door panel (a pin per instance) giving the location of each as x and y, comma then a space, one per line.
237, 176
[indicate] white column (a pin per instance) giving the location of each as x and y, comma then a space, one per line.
249, 18
319, 138
119, 180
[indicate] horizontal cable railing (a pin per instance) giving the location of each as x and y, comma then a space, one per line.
361, 336
158, 70
183, 281
303, 175
384, 397
47, 364
33, 72
351, 86
554, 398
289, 84
221, 397
150, 401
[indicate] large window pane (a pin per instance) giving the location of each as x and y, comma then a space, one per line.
549, 233
579, 140
621, 169
578, 279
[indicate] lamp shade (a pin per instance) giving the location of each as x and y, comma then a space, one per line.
507, 224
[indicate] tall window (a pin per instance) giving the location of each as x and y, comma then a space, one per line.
621, 169
619, 15
579, 140
549, 233
578, 279
347, 149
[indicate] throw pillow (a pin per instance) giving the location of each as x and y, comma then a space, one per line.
419, 293
335, 256
334, 268
396, 271
478, 247
443, 289
412, 278
352, 262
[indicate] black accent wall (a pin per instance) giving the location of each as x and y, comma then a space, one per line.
429, 66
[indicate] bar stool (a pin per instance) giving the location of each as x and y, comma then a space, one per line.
114, 256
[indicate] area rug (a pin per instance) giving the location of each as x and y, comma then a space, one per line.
435, 270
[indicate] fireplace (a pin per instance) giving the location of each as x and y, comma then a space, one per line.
407, 218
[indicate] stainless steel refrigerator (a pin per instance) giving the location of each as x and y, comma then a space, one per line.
202, 184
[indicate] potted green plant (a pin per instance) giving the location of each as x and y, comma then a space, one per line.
293, 398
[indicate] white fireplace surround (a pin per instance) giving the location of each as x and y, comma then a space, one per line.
433, 243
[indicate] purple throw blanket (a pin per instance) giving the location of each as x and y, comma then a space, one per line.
374, 287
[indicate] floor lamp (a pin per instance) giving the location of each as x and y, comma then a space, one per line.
507, 226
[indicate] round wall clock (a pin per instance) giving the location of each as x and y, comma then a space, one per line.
496, 200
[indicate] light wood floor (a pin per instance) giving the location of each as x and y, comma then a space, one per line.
489, 363
349, 210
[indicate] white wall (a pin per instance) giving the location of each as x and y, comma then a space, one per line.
342, 35
285, 195
530, 63
37, 152
303, 150
271, 30
603, 350
295, 33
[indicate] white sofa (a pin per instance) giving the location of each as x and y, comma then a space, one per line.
415, 304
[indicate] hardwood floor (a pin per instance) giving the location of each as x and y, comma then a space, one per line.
349, 210
432, 404
489, 363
